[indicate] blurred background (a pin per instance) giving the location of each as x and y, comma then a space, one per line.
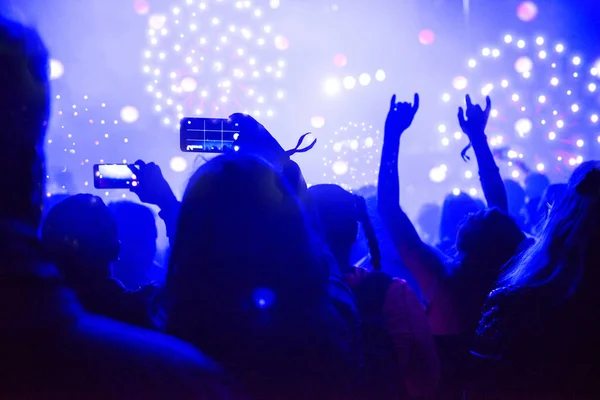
125, 71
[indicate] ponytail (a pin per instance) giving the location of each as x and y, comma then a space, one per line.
362, 216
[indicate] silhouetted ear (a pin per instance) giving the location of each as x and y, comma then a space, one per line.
293, 175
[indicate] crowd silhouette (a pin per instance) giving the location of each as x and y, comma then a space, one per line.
262, 296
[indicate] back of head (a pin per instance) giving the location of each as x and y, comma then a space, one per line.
486, 240
80, 235
455, 209
567, 249
241, 232
340, 213
24, 110
535, 185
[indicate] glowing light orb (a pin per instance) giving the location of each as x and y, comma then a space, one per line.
317, 122
340, 167
580, 143
141, 7
129, 114
178, 164
200, 62
380, 75
527, 11
473, 192
369, 142
340, 60
523, 64
157, 21
437, 174
274, 4
426, 37
281, 43
57, 69
349, 82
523, 126
188, 84
332, 86
364, 79
460, 83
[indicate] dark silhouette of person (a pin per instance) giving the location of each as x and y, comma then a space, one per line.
452, 288
454, 210
247, 281
136, 265
516, 202
538, 335
399, 352
51, 347
80, 236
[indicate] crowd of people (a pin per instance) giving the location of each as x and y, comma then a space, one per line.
262, 297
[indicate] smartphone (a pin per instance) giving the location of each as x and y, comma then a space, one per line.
114, 176
208, 135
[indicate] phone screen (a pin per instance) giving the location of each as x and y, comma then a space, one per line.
114, 176
208, 135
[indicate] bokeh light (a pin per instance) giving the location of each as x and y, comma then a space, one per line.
340, 60
141, 7
317, 122
202, 62
178, 164
460, 83
542, 106
57, 69
129, 114
437, 174
354, 149
527, 11
426, 37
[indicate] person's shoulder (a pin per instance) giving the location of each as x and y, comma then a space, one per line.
146, 359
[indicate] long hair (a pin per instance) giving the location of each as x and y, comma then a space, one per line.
568, 243
340, 213
485, 242
245, 281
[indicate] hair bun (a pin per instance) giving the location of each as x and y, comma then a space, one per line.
590, 184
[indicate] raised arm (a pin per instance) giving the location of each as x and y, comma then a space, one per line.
489, 173
423, 262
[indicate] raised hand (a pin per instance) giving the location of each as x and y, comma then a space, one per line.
477, 118
400, 117
152, 187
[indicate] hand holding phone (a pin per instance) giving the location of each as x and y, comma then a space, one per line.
114, 176
208, 135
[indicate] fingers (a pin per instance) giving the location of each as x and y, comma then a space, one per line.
140, 163
488, 105
461, 116
393, 102
415, 105
469, 102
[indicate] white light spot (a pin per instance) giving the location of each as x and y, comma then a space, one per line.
340, 167
178, 164
129, 114
364, 79
576, 60
442, 128
317, 122
473, 192
349, 82
57, 69
575, 108
380, 75
437, 174
332, 86
554, 81
468, 174
580, 143
560, 48
552, 135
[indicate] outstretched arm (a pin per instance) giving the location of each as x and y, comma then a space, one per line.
489, 173
422, 261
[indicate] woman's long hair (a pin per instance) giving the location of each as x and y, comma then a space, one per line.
340, 213
568, 244
245, 281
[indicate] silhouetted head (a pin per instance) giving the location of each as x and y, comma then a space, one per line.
488, 239
24, 111
137, 233
340, 213
535, 185
454, 211
80, 235
566, 254
246, 264
429, 221
516, 197
241, 231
